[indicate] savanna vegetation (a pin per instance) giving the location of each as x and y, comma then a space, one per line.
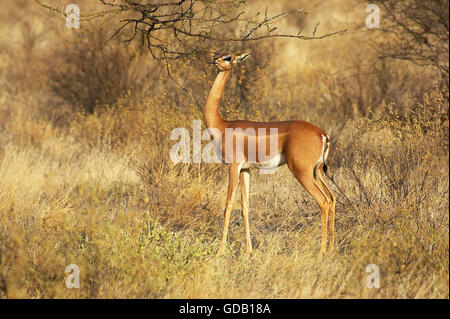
86, 177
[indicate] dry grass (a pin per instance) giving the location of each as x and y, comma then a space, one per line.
99, 190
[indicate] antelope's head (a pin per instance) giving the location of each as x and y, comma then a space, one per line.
224, 62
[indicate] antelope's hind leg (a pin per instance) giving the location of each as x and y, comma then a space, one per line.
305, 176
332, 206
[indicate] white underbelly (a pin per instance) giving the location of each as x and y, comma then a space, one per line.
274, 162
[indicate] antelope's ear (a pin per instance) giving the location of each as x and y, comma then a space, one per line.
241, 57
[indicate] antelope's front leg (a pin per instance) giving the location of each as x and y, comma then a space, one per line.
245, 180
233, 181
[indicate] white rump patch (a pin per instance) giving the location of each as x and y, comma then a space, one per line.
325, 149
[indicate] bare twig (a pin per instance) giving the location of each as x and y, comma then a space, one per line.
179, 29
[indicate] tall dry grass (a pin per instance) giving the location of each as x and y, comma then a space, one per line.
86, 177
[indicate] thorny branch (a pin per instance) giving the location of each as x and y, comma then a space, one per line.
186, 29
419, 31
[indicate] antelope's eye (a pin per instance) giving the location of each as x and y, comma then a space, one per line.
227, 58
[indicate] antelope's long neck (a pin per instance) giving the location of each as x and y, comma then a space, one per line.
211, 110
